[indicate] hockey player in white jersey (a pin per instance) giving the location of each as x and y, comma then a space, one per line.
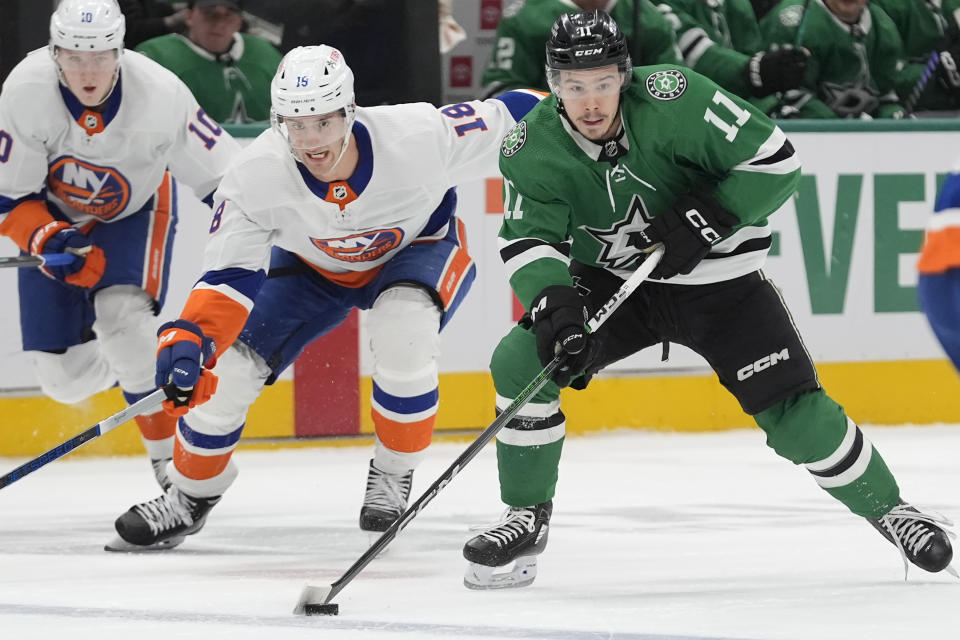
335, 207
87, 134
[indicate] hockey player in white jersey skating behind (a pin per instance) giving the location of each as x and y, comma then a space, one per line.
346, 207
87, 134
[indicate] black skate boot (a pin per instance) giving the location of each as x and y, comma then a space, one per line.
160, 472
505, 554
161, 523
385, 499
919, 538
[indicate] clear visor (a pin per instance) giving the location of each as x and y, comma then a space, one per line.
87, 60
587, 83
311, 132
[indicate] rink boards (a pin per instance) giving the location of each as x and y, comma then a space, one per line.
844, 255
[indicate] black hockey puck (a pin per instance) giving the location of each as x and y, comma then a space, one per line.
327, 609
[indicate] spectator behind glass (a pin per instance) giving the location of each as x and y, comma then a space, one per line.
151, 18
228, 72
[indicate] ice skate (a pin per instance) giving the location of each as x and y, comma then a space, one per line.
385, 499
161, 523
919, 537
504, 556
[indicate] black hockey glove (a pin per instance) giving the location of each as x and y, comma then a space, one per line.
779, 69
687, 231
559, 318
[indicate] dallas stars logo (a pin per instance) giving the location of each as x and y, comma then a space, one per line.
617, 252
666, 85
514, 139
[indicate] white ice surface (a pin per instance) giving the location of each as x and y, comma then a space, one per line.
653, 536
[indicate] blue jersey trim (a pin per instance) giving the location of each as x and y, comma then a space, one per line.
9, 204
519, 103
204, 441
949, 197
442, 214
76, 109
361, 175
414, 404
241, 280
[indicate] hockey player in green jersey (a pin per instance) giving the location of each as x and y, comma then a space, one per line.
856, 57
616, 161
228, 72
517, 58
721, 40
925, 27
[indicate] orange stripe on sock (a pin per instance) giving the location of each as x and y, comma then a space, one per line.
157, 426
406, 437
197, 467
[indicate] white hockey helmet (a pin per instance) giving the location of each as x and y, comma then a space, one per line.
312, 81
87, 25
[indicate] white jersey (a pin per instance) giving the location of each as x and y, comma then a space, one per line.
104, 166
410, 157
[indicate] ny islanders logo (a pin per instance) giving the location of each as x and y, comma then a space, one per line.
361, 247
101, 192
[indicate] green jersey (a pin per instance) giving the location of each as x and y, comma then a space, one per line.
923, 27
716, 38
682, 134
519, 55
232, 87
853, 68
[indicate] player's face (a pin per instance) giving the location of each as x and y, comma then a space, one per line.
591, 99
847, 10
88, 74
317, 141
212, 28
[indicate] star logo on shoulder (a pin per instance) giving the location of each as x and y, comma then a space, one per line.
618, 252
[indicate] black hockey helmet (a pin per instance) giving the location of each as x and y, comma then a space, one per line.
586, 40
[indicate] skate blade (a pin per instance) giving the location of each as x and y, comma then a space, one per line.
119, 545
519, 573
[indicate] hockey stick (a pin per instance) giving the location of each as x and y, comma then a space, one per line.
316, 600
52, 259
910, 103
144, 405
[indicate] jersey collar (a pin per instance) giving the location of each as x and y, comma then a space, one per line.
862, 25
93, 121
356, 182
234, 53
595, 151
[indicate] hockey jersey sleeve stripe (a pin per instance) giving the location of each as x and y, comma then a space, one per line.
23, 220
776, 155
161, 240
520, 101
244, 282
414, 404
941, 243
216, 313
693, 44
540, 252
513, 248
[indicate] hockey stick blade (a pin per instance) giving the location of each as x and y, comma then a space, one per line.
52, 259
144, 405
317, 600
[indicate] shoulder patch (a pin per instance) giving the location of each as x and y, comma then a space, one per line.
666, 85
791, 16
514, 139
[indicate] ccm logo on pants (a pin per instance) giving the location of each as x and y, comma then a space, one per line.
763, 363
